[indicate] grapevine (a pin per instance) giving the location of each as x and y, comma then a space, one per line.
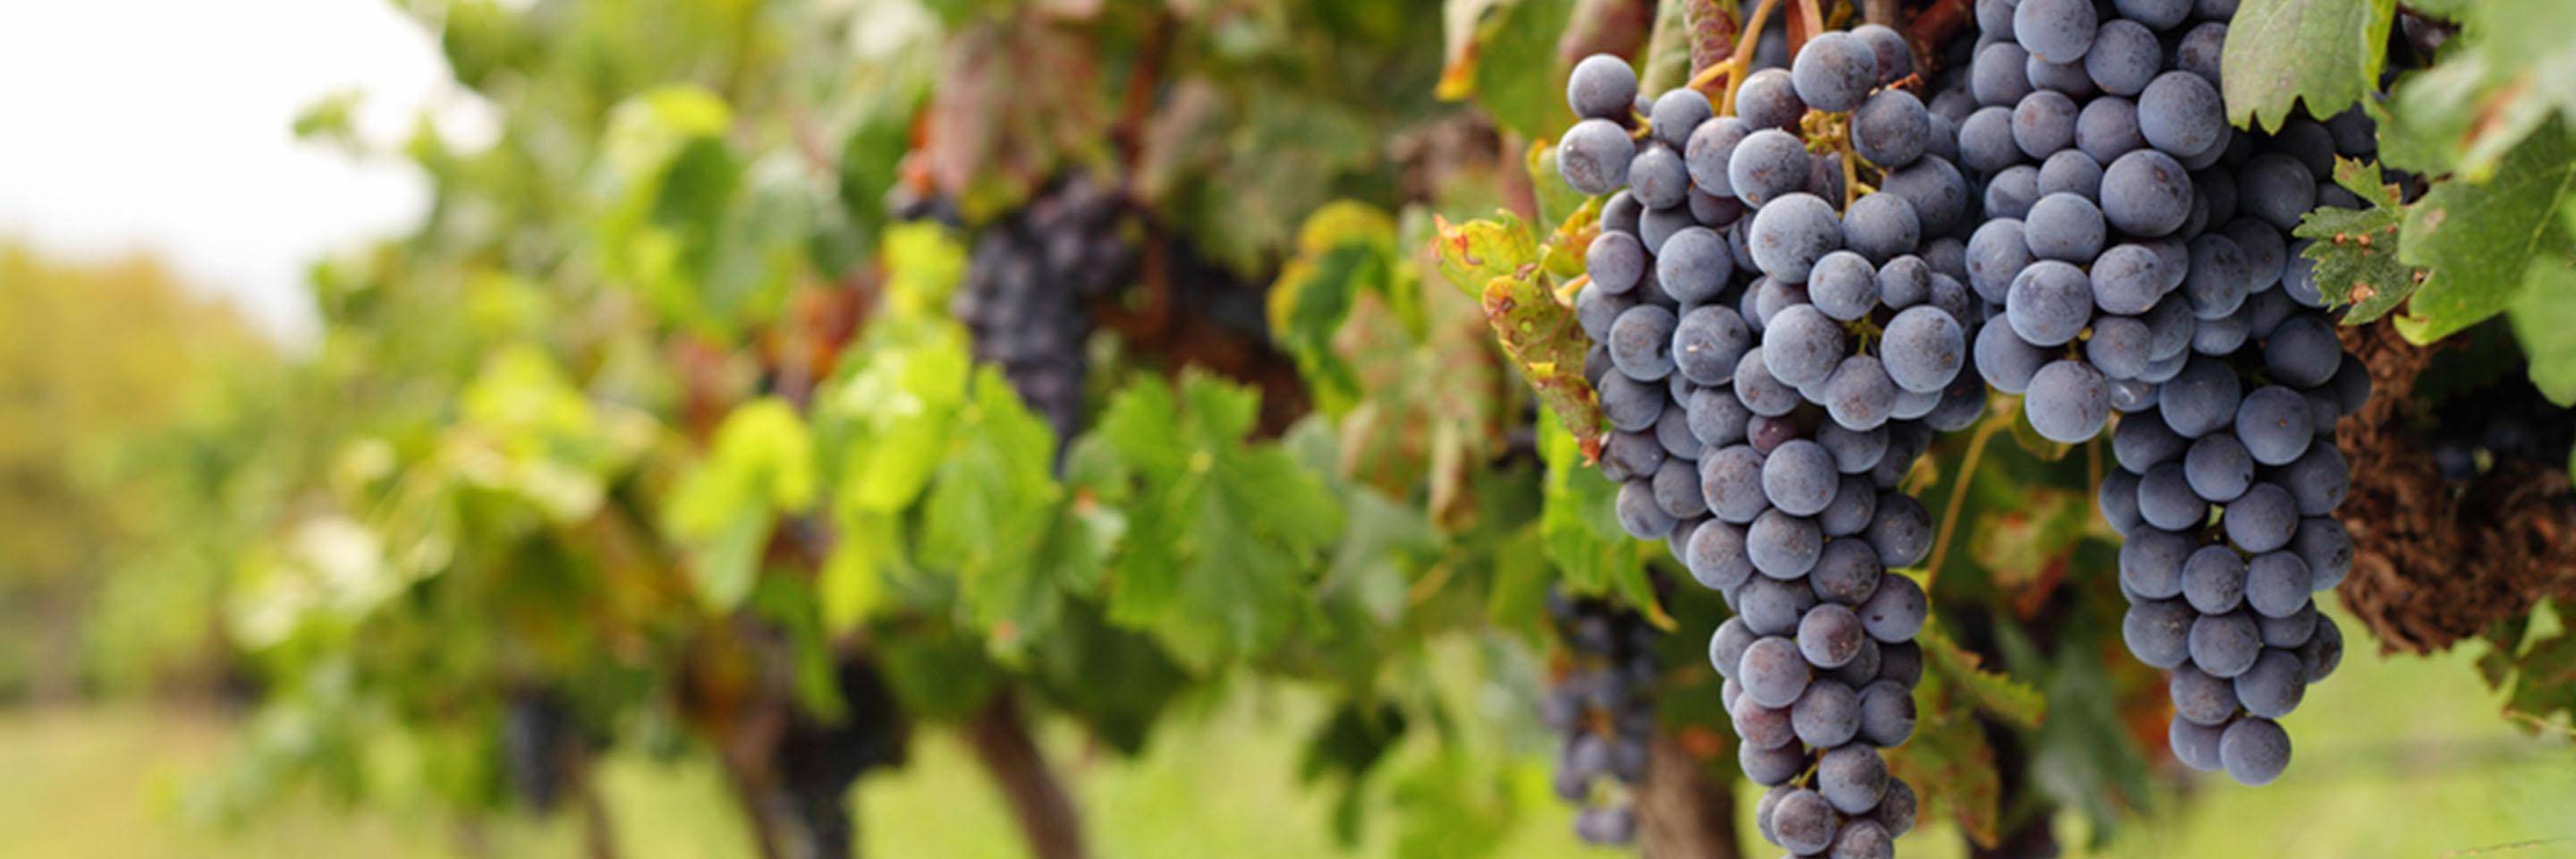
1531, 426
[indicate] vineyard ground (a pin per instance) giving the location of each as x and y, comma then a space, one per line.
2410, 743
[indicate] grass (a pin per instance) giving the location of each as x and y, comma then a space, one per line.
2395, 757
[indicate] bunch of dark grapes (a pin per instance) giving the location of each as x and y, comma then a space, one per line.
1027, 285
819, 759
2135, 245
538, 739
1772, 362
1602, 702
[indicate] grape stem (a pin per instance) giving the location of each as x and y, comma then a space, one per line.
1710, 76
1959, 490
1565, 294
1809, 24
2093, 468
1851, 167
1736, 65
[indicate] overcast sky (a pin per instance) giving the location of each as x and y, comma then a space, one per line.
163, 125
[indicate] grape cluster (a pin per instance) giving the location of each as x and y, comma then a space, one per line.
1603, 705
537, 739
1026, 285
2135, 246
817, 758
1772, 362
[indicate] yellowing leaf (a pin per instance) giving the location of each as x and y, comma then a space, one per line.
1474, 253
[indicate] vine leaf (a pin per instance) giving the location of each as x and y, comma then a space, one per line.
1949, 757
2022, 543
1579, 528
1015, 101
2356, 249
2545, 320
2509, 71
2279, 52
2479, 239
1498, 261
991, 512
1547, 344
761, 465
1507, 61
2538, 674
1340, 755
1557, 201
1668, 48
1222, 533
1995, 694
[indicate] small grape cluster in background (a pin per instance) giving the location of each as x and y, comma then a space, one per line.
1024, 293
1602, 703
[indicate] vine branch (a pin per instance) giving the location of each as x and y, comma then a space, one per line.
1736, 65
1959, 491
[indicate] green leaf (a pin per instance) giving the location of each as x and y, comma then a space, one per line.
1116, 681
1452, 803
990, 512
1344, 249
937, 673
1562, 255
870, 157
1557, 201
1509, 64
1222, 533
761, 465
2544, 677
887, 423
2022, 542
923, 266
2356, 249
2508, 72
851, 587
1951, 763
2086, 758
1576, 518
2478, 239
1995, 694
2280, 52
2544, 319
1668, 46
1546, 344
